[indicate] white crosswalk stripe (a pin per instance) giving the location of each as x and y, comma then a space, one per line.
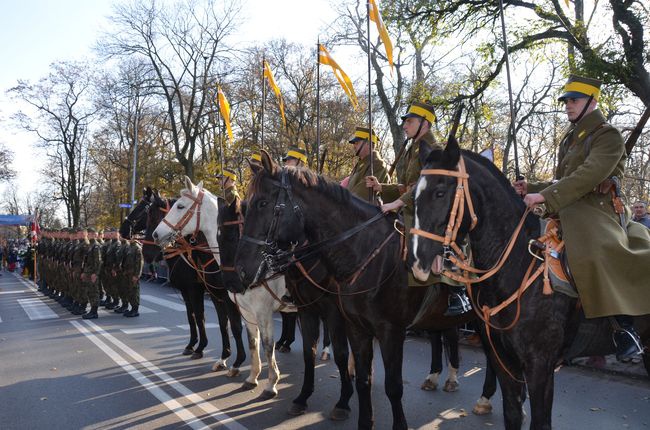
36, 309
142, 330
162, 302
207, 325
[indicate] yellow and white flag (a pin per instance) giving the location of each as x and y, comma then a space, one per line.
269, 76
375, 16
224, 108
325, 58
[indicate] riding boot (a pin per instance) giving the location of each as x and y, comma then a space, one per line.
133, 312
626, 340
91, 315
458, 302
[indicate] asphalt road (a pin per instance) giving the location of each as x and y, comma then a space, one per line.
60, 372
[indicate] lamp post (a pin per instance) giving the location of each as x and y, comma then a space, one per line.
135, 149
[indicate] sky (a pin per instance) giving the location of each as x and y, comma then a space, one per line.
37, 33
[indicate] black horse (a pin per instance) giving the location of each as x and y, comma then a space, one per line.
361, 251
547, 326
313, 304
136, 220
192, 286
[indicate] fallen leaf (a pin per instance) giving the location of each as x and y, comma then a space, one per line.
54, 369
595, 409
43, 398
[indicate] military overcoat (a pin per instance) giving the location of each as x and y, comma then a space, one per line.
357, 182
611, 267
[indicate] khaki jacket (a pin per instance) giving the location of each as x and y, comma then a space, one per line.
357, 182
611, 267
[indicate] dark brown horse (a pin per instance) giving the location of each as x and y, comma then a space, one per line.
293, 214
546, 324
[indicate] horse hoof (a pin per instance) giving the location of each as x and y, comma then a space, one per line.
197, 355
450, 386
339, 414
233, 372
188, 351
482, 409
267, 395
296, 409
246, 386
218, 366
428, 385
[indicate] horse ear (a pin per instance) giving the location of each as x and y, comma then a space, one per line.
424, 151
267, 162
188, 183
200, 185
451, 154
254, 167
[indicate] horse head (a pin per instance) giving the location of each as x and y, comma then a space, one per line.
277, 222
435, 193
183, 218
159, 207
136, 220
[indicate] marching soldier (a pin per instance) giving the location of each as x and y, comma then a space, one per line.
356, 182
132, 269
585, 196
78, 250
108, 266
417, 125
90, 272
119, 276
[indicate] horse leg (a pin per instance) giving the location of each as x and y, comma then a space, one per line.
265, 322
325, 355
391, 343
540, 381
451, 341
196, 295
339, 342
256, 364
189, 349
483, 405
513, 396
362, 351
310, 324
222, 317
431, 381
234, 317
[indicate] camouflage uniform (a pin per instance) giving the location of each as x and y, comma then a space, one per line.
132, 265
90, 275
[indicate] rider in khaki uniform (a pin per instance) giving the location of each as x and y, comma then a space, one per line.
608, 255
92, 265
417, 125
228, 178
356, 182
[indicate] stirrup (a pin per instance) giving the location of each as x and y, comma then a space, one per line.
627, 344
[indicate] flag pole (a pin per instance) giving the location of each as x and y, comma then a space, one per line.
512, 109
371, 195
219, 139
319, 163
263, 104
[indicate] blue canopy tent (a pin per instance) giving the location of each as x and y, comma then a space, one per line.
15, 219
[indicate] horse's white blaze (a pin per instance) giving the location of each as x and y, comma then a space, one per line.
421, 186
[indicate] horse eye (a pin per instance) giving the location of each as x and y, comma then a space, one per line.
262, 203
440, 194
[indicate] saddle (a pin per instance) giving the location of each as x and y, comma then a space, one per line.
549, 248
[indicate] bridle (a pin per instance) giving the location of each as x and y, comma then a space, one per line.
271, 252
187, 216
133, 221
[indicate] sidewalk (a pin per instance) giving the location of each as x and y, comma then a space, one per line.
609, 365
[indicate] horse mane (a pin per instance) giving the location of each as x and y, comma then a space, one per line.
310, 179
497, 174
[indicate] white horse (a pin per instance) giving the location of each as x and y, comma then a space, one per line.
198, 210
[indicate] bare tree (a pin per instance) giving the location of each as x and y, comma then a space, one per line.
59, 113
182, 45
6, 158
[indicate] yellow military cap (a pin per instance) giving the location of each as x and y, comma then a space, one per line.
256, 158
420, 110
297, 151
228, 173
578, 87
363, 133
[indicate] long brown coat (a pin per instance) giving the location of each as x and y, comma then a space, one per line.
611, 268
